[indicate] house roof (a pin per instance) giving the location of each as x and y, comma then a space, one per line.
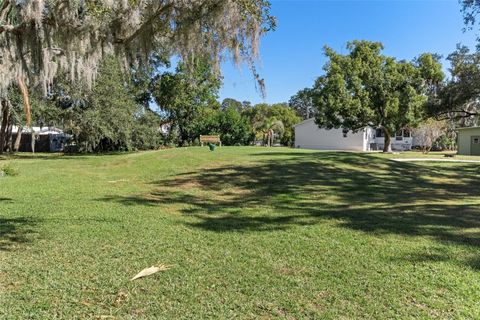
38, 130
304, 122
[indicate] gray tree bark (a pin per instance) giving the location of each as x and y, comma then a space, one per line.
18, 139
3, 127
33, 141
387, 147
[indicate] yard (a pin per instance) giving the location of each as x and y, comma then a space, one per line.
250, 232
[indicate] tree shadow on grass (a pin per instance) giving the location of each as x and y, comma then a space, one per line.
357, 191
19, 231
15, 231
48, 156
59, 156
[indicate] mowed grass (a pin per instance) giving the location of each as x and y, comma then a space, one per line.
250, 232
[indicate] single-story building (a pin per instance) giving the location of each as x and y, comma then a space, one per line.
309, 136
47, 139
469, 141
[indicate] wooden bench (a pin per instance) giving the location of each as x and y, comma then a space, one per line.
211, 139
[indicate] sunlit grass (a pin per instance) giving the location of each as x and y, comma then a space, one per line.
250, 232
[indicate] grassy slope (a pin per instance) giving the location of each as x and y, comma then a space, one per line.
251, 232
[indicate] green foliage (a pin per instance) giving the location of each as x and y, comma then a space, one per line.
234, 129
447, 141
430, 69
186, 97
263, 116
457, 98
113, 116
268, 127
252, 233
302, 103
366, 88
145, 133
7, 169
289, 118
39, 39
232, 103
470, 10
106, 124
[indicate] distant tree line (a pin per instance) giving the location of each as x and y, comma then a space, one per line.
150, 109
116, 95
367, 88
54, 59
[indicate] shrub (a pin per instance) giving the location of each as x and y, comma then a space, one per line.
8, 170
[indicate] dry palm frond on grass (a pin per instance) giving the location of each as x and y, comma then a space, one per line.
149, 271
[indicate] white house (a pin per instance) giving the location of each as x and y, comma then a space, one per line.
48, 139
309, 136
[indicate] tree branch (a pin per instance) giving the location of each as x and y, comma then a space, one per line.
6, 27
145, 24
5, 10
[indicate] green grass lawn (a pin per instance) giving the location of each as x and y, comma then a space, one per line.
250, 232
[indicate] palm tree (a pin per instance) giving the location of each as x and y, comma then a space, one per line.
268, 127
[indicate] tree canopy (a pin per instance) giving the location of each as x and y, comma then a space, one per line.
458, 97
302, 103
187, 96
366, 88
40, 37
266, 118
470, 10
232, 103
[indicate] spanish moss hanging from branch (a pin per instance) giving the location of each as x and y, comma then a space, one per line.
39, 38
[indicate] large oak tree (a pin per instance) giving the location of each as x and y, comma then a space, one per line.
39, 38
366, 88
458, 98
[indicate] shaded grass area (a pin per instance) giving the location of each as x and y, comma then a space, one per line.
14, 231
366, 193
251, 232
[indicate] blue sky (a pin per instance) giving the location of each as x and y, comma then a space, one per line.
292, 56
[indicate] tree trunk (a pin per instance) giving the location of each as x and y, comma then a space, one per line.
18, 139
3, 127
33, 141
26, 100
9, 136
387, 147
26, 108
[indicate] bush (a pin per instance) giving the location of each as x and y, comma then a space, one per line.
8, 170
445, 142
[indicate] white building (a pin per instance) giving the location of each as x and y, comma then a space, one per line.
309, 136
48, 139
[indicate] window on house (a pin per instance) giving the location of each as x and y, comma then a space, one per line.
475, 140
406, 133
379, 133
398, 135
345, 132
